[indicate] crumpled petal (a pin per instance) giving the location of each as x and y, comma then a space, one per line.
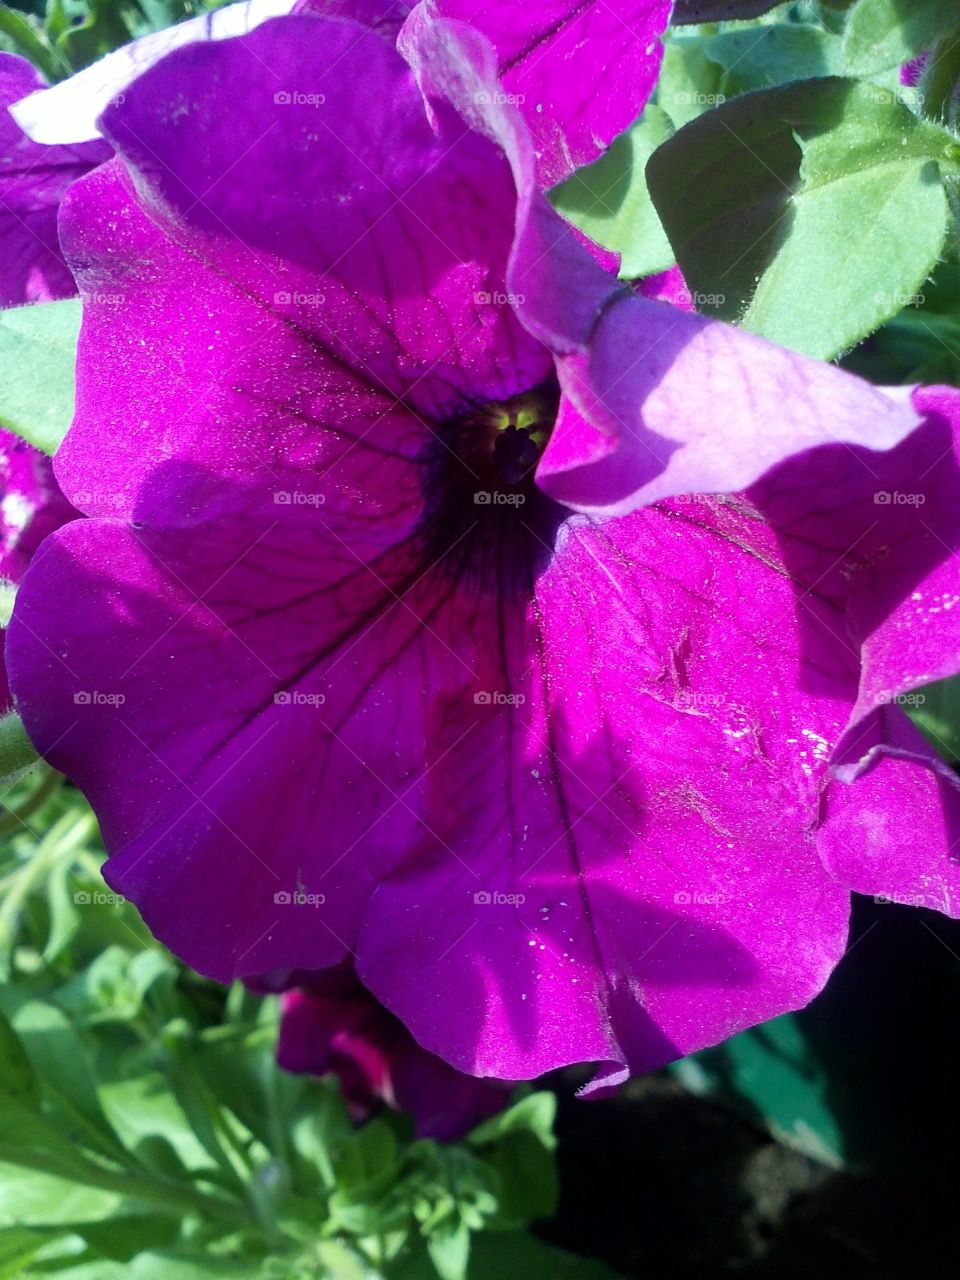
331, 1023
655, 402
33, 180
580, 73
67, 112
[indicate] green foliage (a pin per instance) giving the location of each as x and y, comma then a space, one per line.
145, 1130
775, 1073
886, 33
609, 200
812, 212
38, 347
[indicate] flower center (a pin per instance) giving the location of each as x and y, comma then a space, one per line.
503, 440
481, 503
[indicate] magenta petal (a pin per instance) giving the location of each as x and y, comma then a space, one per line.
655, 401
593, 897
580, 73
331, 1023
33, 180
895, 829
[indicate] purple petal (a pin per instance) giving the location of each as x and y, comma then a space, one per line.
331, 1023
655, 402
580, 73
33, 180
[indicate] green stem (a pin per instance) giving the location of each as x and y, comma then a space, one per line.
62, 837
29, 43
49, 783
167, 1195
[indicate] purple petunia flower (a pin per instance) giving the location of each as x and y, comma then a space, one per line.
33, 179
579, 73
31, 507
385, 652
330, 1023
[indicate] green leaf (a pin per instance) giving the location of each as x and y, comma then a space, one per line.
18, 1080
17, 1246
38, 348
610, 203
935, 710
24, 38
122, 1237
758, 58
887, 33
689, 81
775, 1071
17, 753
516, 1255
102, 30
720, 10
38, 1199
450, 1252
534, 1114
60, 1060
809, 213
